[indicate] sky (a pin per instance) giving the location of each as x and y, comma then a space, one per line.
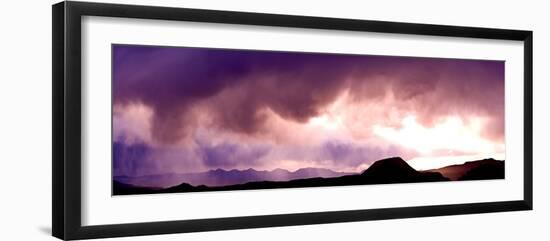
182, 110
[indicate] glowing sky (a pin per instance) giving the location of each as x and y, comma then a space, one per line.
180, 109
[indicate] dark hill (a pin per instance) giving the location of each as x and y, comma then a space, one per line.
397, 170
486, 170
456, 172
120, 188
390, 170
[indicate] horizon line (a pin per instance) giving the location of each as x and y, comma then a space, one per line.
308, 167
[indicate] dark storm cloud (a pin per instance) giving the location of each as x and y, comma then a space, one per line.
170, 80
234, 86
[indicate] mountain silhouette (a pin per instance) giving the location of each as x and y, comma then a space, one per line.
397, 170
392, 169
120, 188
486, 170
221, 177
456, 172
385, 171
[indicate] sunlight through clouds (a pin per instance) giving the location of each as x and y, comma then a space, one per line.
452, 133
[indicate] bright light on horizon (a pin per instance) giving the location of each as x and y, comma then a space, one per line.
451, 134
427, 163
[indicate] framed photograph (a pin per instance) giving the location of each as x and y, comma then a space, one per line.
169, 120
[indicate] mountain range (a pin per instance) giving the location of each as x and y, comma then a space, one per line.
220, 177
385, 171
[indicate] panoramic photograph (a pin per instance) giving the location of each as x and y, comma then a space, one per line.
190, 119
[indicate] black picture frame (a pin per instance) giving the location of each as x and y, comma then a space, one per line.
67, 134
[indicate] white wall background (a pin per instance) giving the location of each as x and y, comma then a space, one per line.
25, 120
